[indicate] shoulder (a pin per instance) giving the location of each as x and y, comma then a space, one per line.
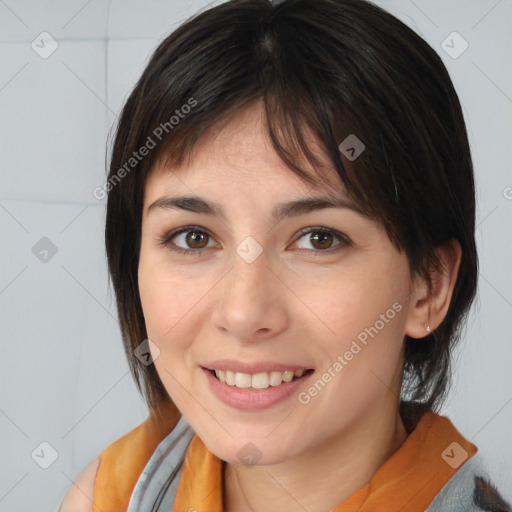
79, 497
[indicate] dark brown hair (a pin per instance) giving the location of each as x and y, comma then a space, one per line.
327, 67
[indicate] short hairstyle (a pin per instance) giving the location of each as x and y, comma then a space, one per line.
332, 68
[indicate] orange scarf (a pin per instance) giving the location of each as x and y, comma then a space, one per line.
122, 463
408, 481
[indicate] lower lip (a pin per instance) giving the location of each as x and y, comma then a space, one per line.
253, 399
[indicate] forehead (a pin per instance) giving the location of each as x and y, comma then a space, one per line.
237, 155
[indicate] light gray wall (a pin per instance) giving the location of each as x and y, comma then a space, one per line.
64, 378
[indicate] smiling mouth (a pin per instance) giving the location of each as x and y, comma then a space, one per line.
262, 380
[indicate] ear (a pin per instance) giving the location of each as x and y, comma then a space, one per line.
429, 304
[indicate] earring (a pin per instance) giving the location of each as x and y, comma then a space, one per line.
428, 328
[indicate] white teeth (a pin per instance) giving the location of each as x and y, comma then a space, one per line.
230, 378
276, 378
258, 380
243, 380
287, 376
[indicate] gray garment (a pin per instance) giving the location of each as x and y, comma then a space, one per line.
156, 487
468, 490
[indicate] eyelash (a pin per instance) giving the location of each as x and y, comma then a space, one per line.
166, 239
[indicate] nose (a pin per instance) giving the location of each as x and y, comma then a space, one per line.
252, 301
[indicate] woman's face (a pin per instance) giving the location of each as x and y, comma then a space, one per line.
315, 289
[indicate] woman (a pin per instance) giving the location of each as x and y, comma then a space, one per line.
290, 236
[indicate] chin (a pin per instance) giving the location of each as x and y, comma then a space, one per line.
249, 451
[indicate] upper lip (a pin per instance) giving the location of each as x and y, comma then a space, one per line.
255, 367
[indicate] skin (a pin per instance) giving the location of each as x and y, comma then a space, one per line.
297, 303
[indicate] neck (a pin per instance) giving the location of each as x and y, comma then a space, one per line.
322, 478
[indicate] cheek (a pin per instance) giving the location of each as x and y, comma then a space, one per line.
167, 300
167, 303
363, 345
343, 304
362, 313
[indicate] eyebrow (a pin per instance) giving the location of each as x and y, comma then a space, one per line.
279, 212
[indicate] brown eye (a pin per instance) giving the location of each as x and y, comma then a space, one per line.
189, 240
196, 239
322, 239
